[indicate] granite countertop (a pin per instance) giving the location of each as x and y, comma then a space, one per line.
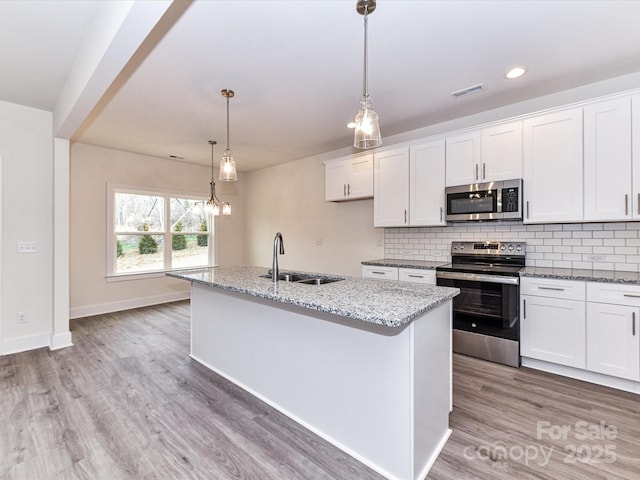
394, 262
392, 304
609, 276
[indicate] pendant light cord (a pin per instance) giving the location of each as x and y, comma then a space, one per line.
227, 122
365, 80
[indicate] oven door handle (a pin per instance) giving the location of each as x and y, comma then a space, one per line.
475, 277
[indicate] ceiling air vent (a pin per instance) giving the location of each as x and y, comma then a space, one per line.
467, 91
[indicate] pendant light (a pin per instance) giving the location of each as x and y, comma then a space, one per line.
367, 129
214, 203
228, 165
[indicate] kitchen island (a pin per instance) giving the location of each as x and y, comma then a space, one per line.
365, 364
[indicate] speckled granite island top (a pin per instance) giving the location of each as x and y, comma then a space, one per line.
609, 276
392, 304
398, 263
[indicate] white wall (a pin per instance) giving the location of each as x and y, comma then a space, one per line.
91, 169
290, 198
26, 145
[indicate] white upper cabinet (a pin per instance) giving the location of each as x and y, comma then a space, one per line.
391, 188
426, 184
608, 193
501, 152
552, 168
463, 159
486, 155
349, 178
635, 149
409, 186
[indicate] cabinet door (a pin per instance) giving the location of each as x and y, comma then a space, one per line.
501, 152
463, 159
426, 184
360, 177
607, 160
380, 273
391, 188
635, 138
612, 340
553, 330
552, 167
417, 275
335, 180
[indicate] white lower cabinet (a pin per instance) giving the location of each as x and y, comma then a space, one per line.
380, 273
412, 275
552, 327
417, 275
593, 326
613, 339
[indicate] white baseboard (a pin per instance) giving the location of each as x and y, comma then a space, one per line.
61, 340
89, 310
584, 375
22, 344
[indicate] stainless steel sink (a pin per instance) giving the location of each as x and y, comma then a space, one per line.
304, 279
319, 280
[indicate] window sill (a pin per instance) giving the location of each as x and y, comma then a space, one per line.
124, 277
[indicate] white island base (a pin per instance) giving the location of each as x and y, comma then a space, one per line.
381, 394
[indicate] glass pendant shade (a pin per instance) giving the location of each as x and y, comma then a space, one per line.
212, 206
228, 168
367, 129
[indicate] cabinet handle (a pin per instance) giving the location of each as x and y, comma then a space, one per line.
348, 189
639, 204
626, 204
415, 276
344, 189
440, 213
557, 289
527, 208
524, 308
484, 170
405, 215
378, 273
630, 295
476, 171
633, 324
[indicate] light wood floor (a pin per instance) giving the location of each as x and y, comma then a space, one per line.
126, 402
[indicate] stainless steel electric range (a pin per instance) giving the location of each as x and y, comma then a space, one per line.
486, 314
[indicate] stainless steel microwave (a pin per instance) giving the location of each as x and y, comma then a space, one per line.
484, 201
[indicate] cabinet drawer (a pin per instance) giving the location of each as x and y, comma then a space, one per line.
416, 275
616, 293
381, 273
552, 288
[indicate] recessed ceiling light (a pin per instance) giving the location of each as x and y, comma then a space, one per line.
515, 72
351, 125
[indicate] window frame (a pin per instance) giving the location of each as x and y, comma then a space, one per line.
167, 234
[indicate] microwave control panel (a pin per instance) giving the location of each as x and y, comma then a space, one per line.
510, 199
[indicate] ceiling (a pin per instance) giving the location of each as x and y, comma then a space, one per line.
296, 68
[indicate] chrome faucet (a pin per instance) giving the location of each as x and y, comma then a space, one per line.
274, 268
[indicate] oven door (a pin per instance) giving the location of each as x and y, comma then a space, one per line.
480, 201
487, 304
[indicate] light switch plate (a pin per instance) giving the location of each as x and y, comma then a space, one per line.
27, 247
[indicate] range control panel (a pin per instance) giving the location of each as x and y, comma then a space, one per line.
488, 248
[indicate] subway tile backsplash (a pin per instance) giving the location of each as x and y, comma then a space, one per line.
600, 246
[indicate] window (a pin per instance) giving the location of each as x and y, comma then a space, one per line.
153, 231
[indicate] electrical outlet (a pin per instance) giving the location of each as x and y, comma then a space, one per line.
27, 247
22, 317
380, 242
319, 242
